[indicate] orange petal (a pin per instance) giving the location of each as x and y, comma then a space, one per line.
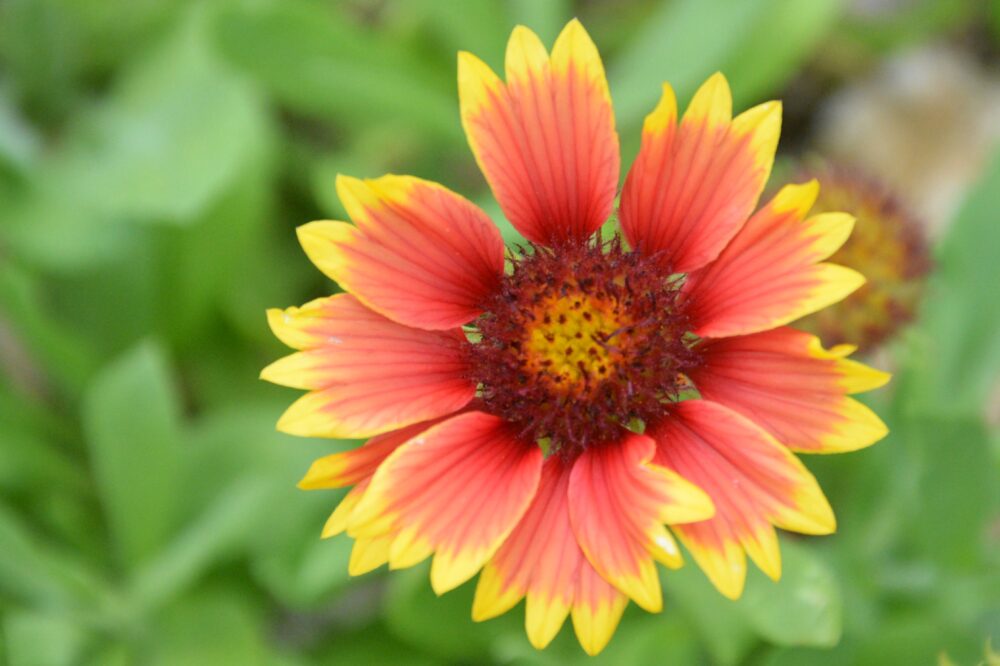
785, 381
546, 139
541, 560
753, 481
372, 374
348, 468
456, 490
618, 503
768, 275
597, 608
693, 186
419, 254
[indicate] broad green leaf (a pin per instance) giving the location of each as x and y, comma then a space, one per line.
215, 626
467, 25
757, 44
31, 458
545, 18
308, 569
131, 415
173, 134
994, 13
202, 264
38, 576
909, 637
311, 58
289, 558
215, 534
42, 639
800, 656
41, 52
784, 35
443, 625
166, 141
24, 574
641, 639
955, 360
63, 357
958, 493
683, 43
19, 143
372, 645
908, 24
725, 632
803, 608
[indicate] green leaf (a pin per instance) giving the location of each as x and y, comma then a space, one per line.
64, 357
785, 34
173, 134
372, 645
19, 143
33, 574
131, 417
956, 345
42, 639
309, 57
757, 44
31, 457
443, 625
725, 631
641, 639
215, 534
545, 18
957, 488
203, 263
218, 626
466, 25
308, 569
803, 608
24, 574
683, 43
908, 637
168, 140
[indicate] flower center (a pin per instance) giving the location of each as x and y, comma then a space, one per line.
580, 343
569, 341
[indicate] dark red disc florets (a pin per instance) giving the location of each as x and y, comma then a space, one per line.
579, 343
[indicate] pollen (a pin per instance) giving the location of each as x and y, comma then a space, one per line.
580, 344
571, 342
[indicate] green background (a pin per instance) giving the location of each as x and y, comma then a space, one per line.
155, 158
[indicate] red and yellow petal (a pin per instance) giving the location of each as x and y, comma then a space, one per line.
785, 381
693, 185
619, 503
546, 139
597, 609
456, 490
542, 562
351, 467
418, 254
755, 483
370, 375
770, 274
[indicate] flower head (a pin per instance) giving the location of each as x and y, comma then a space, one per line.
556, 424
888, 244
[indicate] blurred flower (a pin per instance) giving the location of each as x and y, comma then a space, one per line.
551, 441
925, 123
887, 245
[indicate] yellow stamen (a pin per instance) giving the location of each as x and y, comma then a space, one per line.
573, 341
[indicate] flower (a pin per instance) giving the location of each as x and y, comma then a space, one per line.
547, 423
888, 244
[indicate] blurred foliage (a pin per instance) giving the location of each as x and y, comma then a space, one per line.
155, 157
